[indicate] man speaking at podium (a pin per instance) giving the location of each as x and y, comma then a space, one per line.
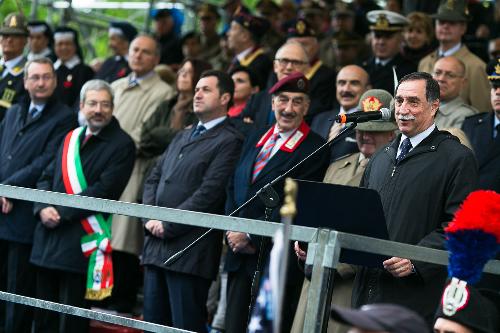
422, 178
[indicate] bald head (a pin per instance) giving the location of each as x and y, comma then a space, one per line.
289, 58
352, 82
449, 72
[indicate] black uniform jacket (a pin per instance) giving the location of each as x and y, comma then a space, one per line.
107, 161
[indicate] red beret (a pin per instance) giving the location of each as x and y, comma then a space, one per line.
295, 82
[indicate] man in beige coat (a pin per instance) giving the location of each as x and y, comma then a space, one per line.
136, 98
451, 25
348, 170
449, 72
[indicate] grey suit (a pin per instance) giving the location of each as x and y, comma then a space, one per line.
453, 113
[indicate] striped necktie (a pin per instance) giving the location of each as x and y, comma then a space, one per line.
264, 155
405, 149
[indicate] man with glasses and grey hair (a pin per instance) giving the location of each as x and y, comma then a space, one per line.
449, 72
71, 247
29, 136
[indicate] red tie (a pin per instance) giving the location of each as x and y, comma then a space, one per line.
264, 156
87, 137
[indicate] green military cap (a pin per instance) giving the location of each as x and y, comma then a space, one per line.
452, 10
374, 100
14, 24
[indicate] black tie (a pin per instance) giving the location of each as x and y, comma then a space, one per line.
200, 129
497, 137
405, 148
33, 112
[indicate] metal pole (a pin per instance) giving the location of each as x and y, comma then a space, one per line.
316, 297
34, 10
147, 22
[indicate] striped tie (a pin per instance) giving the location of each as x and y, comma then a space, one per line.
264, 156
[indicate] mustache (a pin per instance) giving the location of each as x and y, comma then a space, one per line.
407, 117
347, 94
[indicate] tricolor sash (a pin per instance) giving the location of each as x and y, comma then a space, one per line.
96, 245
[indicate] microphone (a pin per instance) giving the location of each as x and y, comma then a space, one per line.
361, 117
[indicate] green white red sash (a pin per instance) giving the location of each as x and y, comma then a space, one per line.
96, 245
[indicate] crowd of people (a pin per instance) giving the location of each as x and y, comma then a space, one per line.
203, 121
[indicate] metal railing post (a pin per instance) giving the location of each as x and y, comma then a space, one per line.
316, 296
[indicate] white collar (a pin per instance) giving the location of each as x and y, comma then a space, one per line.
451, 51
39, 107
119, 57
88, 131
70, 64
212, 123
382, 62
496, 121
415, 140
11, 64
45, 52
240, 56
141, 78
283, 135
351, 110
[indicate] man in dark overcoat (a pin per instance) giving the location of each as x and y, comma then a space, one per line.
29, 136
483, 131
192, 174
106, 159
267, 154
422, 178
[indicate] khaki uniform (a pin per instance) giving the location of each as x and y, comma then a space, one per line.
453, 113
477, 90
133, 107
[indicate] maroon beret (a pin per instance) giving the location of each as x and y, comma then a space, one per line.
295, 82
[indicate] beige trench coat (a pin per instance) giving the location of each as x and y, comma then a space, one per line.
133, 107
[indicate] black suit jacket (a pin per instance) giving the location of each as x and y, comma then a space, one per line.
192, 174
322, 123
241, 188
27, 146
261, 66
382, 77
70, 82
113, 68
479, 130
107, 161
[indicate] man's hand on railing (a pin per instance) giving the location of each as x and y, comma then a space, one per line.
156, 228
301, 254
399, 267
6, 205
239, 242
50, 217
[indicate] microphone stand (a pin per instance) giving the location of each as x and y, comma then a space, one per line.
267, 194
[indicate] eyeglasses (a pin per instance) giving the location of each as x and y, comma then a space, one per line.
447, 75
45, 78
105, 105
285, 61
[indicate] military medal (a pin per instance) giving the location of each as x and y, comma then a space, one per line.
68, 83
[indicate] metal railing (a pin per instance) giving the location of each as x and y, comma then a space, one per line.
323, 251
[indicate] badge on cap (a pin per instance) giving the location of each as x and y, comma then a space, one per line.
450, 4
13, 22
301, 84
382, 22
455, 297
301, 27
371, 103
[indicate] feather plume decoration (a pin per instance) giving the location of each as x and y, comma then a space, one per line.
473, 237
